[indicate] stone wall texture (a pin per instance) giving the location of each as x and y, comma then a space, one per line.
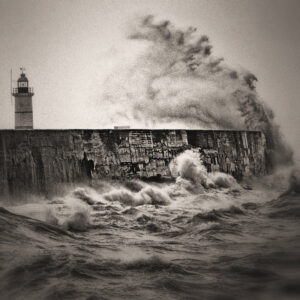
39, 160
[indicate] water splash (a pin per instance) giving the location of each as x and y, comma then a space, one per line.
177, 82
188, 166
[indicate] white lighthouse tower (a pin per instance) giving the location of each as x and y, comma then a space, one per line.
23, 103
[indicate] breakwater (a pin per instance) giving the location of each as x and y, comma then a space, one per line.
39, 161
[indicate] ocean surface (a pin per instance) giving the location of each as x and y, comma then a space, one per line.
199, 236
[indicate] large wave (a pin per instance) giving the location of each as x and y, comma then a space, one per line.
177, 82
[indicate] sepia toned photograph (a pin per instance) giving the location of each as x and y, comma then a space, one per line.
150, 149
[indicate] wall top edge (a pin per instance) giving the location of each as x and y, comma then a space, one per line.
126, 130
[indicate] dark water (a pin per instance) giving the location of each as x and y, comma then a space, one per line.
135, 240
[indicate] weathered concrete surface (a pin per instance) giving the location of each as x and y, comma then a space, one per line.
39, 160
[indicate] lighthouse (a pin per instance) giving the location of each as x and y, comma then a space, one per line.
23, 103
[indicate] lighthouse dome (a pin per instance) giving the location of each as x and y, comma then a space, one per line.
23, 78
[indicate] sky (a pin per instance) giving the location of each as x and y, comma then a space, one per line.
70, 47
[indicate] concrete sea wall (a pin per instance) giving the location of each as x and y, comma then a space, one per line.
39, 160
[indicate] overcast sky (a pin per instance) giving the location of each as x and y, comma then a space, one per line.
69, 47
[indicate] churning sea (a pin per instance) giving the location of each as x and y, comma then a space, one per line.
199, 236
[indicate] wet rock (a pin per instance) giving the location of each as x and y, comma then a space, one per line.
43, 161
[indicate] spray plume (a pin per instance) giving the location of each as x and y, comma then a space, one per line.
176, 81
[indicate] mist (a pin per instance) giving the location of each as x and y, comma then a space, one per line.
175, 81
